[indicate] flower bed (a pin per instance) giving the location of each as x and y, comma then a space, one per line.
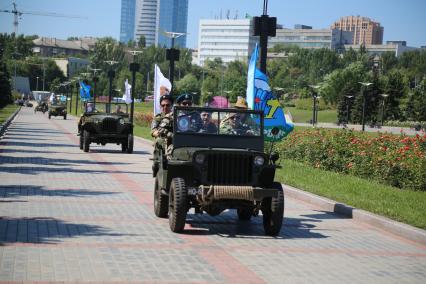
399, 161
143, 119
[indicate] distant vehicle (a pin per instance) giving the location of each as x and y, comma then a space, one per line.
217, 164
149, 98
58, 106
41, 106
102, 126
28, 103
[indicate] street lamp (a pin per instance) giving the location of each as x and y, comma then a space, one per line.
95, 79
111, 75
77, 85
315, 97
384, 96
172, 54
348, 98
134, 67
364, 101
227, 92
37, 84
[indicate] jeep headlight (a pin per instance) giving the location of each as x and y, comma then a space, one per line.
199, 158
121, 121
259, 161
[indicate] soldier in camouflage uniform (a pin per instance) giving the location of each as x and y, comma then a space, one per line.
162, 125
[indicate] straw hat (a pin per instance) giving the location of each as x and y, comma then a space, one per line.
241, 102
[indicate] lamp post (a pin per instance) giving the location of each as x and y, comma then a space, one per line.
111, 75
227, 92
384, 96
134, 67
172, 54
77, 85
37, 84
348, 98
95, 80
264, 26
278, 91
364, 101
315, 97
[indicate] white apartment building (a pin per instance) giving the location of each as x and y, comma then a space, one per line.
227, 39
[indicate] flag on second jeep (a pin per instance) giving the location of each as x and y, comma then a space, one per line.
162, 86
84, 91
260, 97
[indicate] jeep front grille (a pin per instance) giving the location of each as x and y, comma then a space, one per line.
109, 125
229, 168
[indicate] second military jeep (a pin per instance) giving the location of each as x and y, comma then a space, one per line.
100, 125
217, 163
58, 107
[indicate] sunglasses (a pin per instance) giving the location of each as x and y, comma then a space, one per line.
235, 117
186, 103
205, 114
165, 105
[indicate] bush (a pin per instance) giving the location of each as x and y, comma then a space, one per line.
143, 119
395, 160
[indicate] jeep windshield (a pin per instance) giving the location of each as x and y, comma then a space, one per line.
212, 127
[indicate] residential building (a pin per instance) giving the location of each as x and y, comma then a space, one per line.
127, 23
365, 31
71, 65
228, 39
306, 37
151, 18
49, 47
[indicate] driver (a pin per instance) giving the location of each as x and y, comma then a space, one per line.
194, 117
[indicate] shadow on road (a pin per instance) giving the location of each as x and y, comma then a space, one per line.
53, 161
47, 230
13, 191
29, 144
227, 225
36, 170
118, 151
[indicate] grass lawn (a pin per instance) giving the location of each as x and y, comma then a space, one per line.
303, 116
6, 112
401, 205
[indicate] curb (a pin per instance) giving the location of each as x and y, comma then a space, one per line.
400, 229
6, 124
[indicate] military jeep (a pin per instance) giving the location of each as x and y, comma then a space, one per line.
217, 167
57, 107
101, 125
41, 106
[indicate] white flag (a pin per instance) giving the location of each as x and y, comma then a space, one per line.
127, 97
162, 85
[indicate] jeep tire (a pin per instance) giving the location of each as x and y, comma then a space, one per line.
50, 115
65, 116
178, 206
81, 140
161, 201
273, 211
130, 144
86, 141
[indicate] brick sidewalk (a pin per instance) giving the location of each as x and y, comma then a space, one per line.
70, 216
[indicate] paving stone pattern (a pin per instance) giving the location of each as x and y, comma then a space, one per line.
70, 216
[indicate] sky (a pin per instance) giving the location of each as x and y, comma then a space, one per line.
401, 19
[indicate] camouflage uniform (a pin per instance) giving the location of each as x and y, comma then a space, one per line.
238, 129
163, 123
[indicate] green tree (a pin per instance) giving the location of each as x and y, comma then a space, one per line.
189, 84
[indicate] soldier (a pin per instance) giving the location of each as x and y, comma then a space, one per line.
194, 117
233, 125
166, 103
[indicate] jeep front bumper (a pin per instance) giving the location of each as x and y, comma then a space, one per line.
221, 192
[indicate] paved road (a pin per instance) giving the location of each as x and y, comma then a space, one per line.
69, 216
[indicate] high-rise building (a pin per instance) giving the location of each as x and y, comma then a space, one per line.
173, 18
127, 24
226, 39
365, 31
151, 18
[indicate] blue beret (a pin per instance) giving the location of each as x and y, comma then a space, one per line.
184, 97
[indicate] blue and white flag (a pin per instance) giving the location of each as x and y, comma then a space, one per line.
260, 97
84, 91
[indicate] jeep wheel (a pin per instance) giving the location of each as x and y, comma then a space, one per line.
81, 141
50, 115
130, 144
86, 141
177, 205
123, 146
244, 214
161, 201
65, 116
273, 211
